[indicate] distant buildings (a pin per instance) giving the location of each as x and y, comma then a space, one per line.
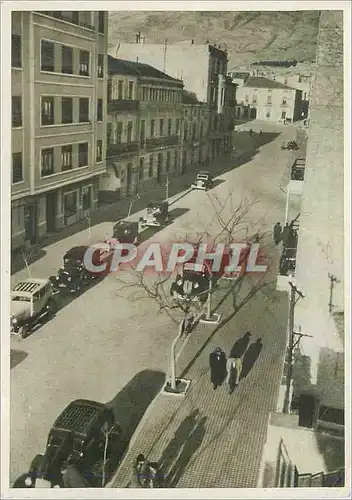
59, 82
264, 99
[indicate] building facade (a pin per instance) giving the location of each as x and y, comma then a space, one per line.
59, 86
144, 131
207, 81
266, 99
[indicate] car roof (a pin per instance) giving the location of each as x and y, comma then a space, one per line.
124, 224
30, 285
79, 415
204, 172
76, 252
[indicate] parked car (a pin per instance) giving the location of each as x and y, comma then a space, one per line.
85, 435
68, 280
203, 181
157, 215
31, 301
126, 232
74, 260
290, 145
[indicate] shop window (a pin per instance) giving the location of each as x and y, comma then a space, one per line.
16, 52
86, 198
66, 157
47, 56
99, 151
83, 109
83, 154
17, 168
100, 72
67, 110
47, 162
70, 204
16, 111
67, 59
84, 62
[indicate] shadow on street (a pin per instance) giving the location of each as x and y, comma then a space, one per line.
189, 448
16, 357
240, 346
250, 357
130, 404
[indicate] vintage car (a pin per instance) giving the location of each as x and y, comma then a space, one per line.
126, 232
80, 436
74, 260
203, 181
157, 215
31, 301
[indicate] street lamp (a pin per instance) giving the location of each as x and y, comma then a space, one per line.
291, 343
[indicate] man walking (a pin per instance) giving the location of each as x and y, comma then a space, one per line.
217, 362
277, 233
234, 369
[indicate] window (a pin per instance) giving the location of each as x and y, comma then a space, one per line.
283, 115
161, 126
47, 110
84, 62
83, 109
72, 16
16, 52
142, 132
67, 60
100, 110
141, 169
129, 131
109, 92
119, 130
86, 198
169, 127
47, 167
101, 21
108, 133
70, 204
152, 128
17, 170
66, 157
150, 169
100, 72
120, 89
168, 160
130, 90
16, 111
83, 154
176, 161
67, 110
268, 114
268, 99
284, 100
47, 56
99, 151
177, 126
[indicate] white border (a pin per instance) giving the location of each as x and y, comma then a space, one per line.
5, 239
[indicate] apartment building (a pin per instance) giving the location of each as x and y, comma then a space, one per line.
203, 69
143, 128
266, 99
59, 87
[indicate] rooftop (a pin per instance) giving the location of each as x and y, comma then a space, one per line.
125, 67
265, 83
189, 97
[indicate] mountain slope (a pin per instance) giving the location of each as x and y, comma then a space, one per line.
249, 36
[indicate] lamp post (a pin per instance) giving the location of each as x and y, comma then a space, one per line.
167, 187
132, 203
291, 343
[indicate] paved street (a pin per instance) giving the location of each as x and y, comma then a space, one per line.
104, 347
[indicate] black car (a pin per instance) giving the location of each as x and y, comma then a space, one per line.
74, 260
126, 232
82, 434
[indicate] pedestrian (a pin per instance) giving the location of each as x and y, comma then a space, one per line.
234, 369
285, 234
24, 481
177, 290
217, 362
277, 233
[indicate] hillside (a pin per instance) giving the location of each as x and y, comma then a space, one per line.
249, 36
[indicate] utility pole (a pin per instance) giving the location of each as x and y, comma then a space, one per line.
291, 343
333, 280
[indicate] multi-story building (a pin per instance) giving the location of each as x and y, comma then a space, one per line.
269, 100
143, 130
208, 81
59, 86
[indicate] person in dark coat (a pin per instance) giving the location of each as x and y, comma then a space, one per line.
217, 361
24, 481
285, 234
277, 233
177, 291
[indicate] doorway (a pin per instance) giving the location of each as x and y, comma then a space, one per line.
129, 179
51, 211
159, 168
30, 223
254, 113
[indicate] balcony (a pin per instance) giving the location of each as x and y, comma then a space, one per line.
123, 148
58, 15
123, 105
160, 142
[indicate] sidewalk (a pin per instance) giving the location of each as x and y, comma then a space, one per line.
210, 439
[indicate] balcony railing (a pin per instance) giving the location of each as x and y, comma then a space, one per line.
58, 15
122, 148
123, 105
158, 142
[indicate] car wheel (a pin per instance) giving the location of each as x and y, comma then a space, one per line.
24, 331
